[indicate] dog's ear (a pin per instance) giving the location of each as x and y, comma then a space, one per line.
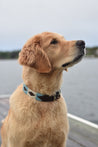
34, 56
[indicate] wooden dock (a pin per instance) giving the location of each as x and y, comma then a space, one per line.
80, 135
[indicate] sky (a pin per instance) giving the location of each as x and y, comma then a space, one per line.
21, 19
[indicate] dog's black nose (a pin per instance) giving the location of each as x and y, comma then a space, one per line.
80, 44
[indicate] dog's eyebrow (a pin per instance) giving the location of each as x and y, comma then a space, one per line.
63, 37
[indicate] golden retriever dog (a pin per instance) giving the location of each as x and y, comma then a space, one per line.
38, 113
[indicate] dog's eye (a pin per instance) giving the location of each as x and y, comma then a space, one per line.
54, 41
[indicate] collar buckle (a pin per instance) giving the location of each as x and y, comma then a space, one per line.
55, 97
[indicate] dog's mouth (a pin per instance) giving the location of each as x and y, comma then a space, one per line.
74, 61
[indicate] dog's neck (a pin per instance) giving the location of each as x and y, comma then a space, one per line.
42, 83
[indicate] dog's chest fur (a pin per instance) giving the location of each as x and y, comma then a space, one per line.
39, 122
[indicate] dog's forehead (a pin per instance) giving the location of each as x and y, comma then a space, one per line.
44, 37
50, 35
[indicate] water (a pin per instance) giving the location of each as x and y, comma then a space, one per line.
79, 88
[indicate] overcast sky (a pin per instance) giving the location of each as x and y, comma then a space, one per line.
21, 19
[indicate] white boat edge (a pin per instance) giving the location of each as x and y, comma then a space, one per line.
71, 116
4, 96
83, 121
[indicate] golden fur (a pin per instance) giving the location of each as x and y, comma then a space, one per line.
31, 123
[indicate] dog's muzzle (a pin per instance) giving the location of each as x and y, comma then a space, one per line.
80, 44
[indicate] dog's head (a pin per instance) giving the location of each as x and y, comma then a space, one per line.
48, 51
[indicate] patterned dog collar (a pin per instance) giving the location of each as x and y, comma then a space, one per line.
41, 97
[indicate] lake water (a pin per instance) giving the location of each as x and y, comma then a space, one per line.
79, 88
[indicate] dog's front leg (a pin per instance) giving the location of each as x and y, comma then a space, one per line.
4, 131
3, 136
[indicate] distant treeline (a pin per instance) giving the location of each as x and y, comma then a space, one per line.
14, 54
92, 51
9, 54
